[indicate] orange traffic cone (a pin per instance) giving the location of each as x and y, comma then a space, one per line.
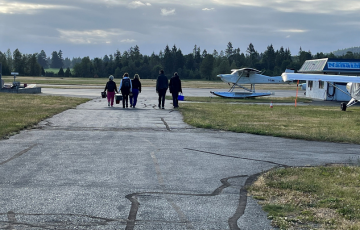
271, 105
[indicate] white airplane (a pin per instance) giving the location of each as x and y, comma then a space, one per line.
353, 84
239, 77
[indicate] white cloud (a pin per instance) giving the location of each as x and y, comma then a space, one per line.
128, 40
303, 6
293, 31
208, 9
93, 36
136, 4
26, 8
166, 12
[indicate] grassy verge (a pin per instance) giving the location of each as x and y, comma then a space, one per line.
311, 198
320, 123
22, 111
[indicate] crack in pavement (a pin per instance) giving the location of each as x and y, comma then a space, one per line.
166, 124
244, 158
97, 221
18, 154
242, 202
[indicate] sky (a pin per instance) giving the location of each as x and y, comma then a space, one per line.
96, 28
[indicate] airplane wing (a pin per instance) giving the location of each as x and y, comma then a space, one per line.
319, 77
245, 71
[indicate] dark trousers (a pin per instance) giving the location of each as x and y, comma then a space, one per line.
125, 94
175, 99
133, 99
162, 93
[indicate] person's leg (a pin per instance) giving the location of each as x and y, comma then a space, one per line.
159, 92
108, 98
175, 99
123, 100
126, 100
131, 99
163, 98
112, 95
135, 96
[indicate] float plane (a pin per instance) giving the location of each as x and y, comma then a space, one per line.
239, 77
353, 84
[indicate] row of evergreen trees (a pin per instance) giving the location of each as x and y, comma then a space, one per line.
196, 65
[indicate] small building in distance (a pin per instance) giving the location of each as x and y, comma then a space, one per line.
323, 90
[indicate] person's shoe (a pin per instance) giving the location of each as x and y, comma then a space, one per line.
130, 106
159, 106
163, 107
123, 107
108, 103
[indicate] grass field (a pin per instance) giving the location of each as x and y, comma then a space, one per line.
23, 111
320, 123
325, 197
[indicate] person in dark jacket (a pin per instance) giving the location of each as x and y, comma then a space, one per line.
136, 89
111, 89
175, 89
161, 86
125, 88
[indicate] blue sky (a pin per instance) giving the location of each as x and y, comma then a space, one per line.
97, 27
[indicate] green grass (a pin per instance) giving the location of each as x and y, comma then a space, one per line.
320, 123
23, 111
311, 198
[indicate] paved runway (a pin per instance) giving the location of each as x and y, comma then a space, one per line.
96, 167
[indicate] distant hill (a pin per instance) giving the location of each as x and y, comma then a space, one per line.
343, 51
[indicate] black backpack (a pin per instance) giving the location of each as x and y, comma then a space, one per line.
125, 84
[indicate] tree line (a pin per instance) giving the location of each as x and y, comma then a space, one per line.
200, 64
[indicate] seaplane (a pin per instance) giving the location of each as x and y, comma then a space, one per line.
239, 77
352, 86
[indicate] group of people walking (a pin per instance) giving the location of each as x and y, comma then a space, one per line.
132, 87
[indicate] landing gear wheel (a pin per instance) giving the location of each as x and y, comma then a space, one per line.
343, 106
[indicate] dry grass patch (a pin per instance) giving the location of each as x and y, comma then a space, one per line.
311, 198
22, 111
